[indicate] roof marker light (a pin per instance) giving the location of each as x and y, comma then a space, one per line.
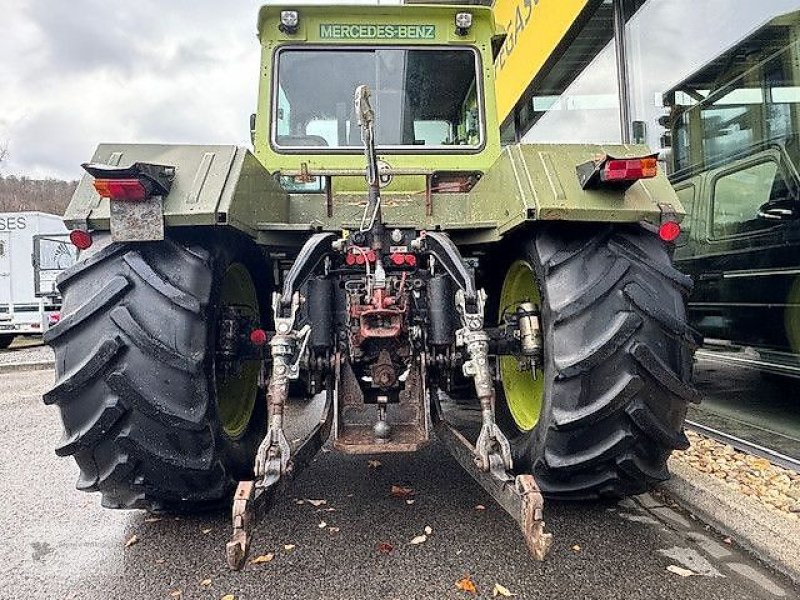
463, 23
290, 22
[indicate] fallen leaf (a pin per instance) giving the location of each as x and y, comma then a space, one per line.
420, 539
160, 561
576, 548
264, 558
400, 491
728, 540
322, 525
680, 571
134, 539
228, 597
428, 530
410, 501
500, 590
207, 530
289, 547
374, 464
152, 519
465, 584
333, 529
176, 594
205, 582
299, 501
480, 507
317, 503
385, 548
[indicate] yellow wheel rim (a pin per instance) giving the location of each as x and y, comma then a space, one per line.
523, 393
237, 392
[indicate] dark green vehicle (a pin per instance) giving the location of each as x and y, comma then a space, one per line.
736, 151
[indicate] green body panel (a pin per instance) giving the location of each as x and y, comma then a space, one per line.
213, 185
225, 185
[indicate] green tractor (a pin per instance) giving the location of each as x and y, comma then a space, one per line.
380, 254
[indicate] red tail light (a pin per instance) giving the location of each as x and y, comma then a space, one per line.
258, 337
82, 240
669, 231
121, 189
629, 169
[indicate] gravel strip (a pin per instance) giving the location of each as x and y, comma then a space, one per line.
37, 354
776, 488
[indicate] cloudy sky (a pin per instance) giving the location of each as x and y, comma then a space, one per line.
78, 72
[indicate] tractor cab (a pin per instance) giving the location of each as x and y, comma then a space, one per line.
429, 69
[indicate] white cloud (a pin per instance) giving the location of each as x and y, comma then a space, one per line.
73, 74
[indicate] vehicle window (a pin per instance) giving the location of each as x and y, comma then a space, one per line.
422, 97
740, 195
686, 196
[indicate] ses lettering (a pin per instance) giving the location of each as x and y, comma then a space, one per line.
13, 223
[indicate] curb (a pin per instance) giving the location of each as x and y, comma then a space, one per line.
30, 366
752, 526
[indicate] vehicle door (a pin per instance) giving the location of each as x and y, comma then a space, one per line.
745, 260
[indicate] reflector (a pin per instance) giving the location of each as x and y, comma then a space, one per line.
82, 240
669, 231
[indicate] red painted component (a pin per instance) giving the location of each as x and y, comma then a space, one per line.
350, 259
121, 189
397, 259
360, 258
630, 169
371, 256
669, 231
258, 337
81, 239
411, 260
53, 318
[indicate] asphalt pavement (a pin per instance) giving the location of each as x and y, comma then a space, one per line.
59, 543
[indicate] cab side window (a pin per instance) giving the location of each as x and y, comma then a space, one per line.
740, 196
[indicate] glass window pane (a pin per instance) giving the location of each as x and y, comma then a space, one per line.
421, 97
739, 196
577, 100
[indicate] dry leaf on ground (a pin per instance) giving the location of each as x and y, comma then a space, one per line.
374, 464
465, 584
264, 558
176, 594
680, 571
333, 529
134, 539
480, 507
322, 525
205, 582
207, 530
500, 590
289, 547
385, 548
317, 503
410, 501
401, 491
428, 530
228, 597
152, 519
576, 548
420, 539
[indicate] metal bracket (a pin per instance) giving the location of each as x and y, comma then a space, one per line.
492, 444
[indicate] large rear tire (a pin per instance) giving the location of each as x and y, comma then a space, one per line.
5, 341
606, 411
147, 416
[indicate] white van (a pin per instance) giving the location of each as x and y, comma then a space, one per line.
34, 249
